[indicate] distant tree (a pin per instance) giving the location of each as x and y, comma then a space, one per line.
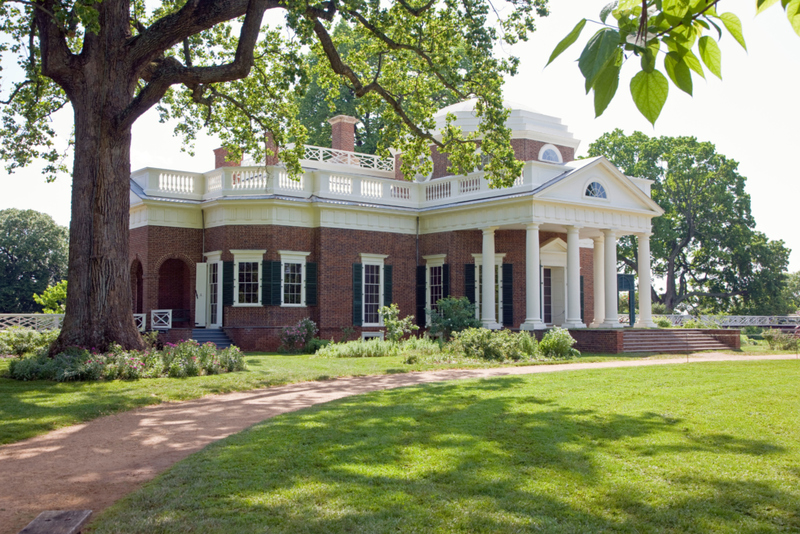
705, 246
54, 298
33, 255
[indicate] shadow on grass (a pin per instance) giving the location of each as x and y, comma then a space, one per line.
488, 456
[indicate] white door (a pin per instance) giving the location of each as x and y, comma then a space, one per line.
214, 295
201, 283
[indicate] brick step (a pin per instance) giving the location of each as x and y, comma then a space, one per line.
666, 341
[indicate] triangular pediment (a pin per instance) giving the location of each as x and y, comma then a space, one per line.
554, 244
621, 193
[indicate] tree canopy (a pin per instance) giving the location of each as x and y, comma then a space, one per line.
33, 255
705, 246
679, 35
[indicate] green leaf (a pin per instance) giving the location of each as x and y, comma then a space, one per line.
693, 63
567, 41
734, 26
606, 86
648, 60
678, 72
606, 11
649, 91
793, 12
711, 55
597, 53
762, 5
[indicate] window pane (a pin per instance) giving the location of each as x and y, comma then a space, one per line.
248, 282
292, 283
437, 286
372, 293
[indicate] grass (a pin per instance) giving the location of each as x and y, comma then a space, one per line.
712, 447
28, 409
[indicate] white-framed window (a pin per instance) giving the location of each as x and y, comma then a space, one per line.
366, 336
596, 190
551, 154
247, 277
498, 285
372, 288
434, 280
293, 278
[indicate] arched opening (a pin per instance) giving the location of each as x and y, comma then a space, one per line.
137, 287
173, 290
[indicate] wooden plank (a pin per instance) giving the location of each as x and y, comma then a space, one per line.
58, 522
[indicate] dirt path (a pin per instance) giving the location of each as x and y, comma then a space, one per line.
91, 465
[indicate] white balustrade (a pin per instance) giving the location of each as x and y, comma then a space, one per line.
371, 189
341, 185
285, 182
400, 192
140, 319
249, 179
468, 185
214, 182
160, 319
437, 190
34, 321
519, 181
170, 182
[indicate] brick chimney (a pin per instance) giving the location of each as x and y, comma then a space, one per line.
270, 145
220, 159
343, 133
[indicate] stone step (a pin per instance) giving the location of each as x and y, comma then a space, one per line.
216, 336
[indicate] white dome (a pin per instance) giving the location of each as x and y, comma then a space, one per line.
524, 122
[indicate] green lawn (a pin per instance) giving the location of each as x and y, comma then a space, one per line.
31, 408
711, 447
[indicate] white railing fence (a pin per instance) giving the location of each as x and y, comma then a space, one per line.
141, 321
161, 319
35, 321
728, 321
343, 157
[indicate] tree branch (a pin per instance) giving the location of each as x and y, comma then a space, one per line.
57, 60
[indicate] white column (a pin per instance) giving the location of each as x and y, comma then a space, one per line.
599, 282
573, 279
533, 311
488, 316
645, 318
611, 319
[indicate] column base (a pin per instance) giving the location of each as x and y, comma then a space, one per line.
573, 324
595, 324
611, 324
532, 324
645, 324
491, 325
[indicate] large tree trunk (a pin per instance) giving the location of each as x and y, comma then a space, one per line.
98, 310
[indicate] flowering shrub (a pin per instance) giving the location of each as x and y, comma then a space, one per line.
295, 338
20, 341
187, 358
557, 343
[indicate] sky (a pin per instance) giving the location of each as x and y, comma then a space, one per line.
752, 115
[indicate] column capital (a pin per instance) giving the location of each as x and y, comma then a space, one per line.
609, 232
648, 235
489, 230
599, 238
533, 225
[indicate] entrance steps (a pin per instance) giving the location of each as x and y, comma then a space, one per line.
214, 335
670, 340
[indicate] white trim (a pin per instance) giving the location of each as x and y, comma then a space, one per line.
432, 260
213, 257
372, 259
372, 335
602, 183
247, 256
554, 148
292, 257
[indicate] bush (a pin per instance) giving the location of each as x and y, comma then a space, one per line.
396, 328
20, 341
663, 322
295, 338
452, 315
373, 348
315, 344
557, 343
779, 340
494, 345
187, 358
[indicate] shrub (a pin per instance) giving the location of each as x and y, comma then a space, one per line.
20, 341
315, 344
779, 340
373, 348
494, 345
707, 321
452, 315
396, 328
187, 358
663, 322
557, 343
294, 338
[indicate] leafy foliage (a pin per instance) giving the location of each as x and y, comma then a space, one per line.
653, 29
705, 246
377, 348
296, 338
396, 328
779, 340
494, 345
557, 343
452, 314
21, 341
33, 256
54, 298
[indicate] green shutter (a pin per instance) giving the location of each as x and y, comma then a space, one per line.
508, 294
446, 280
387, 285
227, 283
582, 306
311, 284
469, 282
421, 304
358, 296
275, 278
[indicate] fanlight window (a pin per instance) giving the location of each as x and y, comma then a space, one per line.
550, 155
596, 190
